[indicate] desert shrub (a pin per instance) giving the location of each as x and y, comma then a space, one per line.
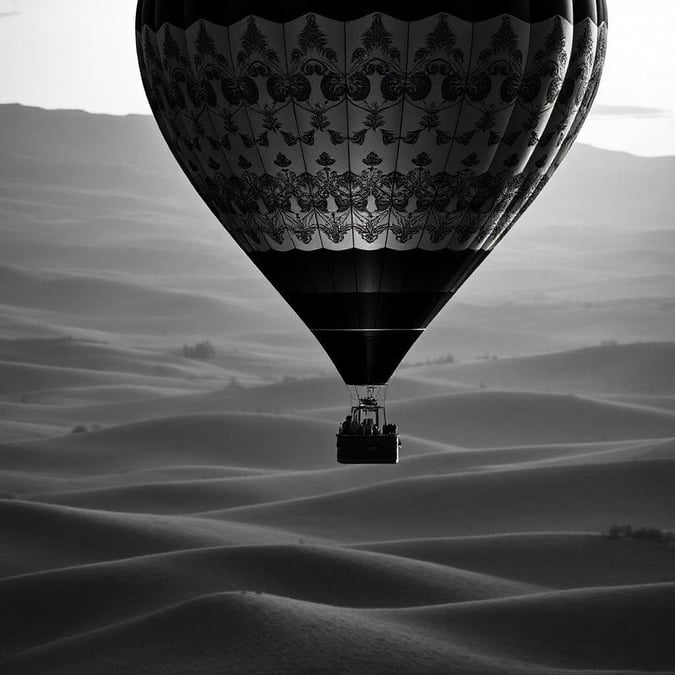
649, 534
653, 535
438, 360
619, 531
201, 350
614, 532
234, 384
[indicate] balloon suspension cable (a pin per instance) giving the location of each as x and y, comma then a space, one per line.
369, 395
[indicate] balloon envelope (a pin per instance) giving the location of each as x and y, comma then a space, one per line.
368, 162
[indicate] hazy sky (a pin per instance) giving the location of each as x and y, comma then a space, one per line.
81, 54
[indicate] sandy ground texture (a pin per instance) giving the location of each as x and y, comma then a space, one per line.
232, 542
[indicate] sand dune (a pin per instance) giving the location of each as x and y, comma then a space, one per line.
300, 395
562, 561
614, 452
34, 380
628, 627
39, 537
20, 484
191, 495
486, 318
663, 402
107, 393
515, 418
108, 247
28, 484
626, 369
32, 605
100, 356
248, 632
454, 460
127, 308
289, 395
567, 498
662, 450
485, 419
11, 430
230, 439
635, 286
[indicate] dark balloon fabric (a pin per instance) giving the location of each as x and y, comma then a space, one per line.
368, 162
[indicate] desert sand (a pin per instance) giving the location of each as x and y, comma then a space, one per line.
163, 514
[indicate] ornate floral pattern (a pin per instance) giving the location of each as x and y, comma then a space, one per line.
374, 132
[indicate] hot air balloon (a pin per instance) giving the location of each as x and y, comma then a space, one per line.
368, 161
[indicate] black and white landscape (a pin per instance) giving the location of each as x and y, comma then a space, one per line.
170, 498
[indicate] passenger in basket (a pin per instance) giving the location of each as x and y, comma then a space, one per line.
346, 426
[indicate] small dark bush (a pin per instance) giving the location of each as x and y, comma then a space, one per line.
439, 360
614, 532
78, 429
620, 532
650, 534
234, 384
201, 350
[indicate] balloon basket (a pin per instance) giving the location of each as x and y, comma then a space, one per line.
365, 437
368, 449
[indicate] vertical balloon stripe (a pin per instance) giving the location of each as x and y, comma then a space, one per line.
299, 91
540, 88
388, 197
578, 94
551, 139
208, 151
543, 75
210, 45
252, 162
351, 182
586, 50
172, 126
588, 97
497, 115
